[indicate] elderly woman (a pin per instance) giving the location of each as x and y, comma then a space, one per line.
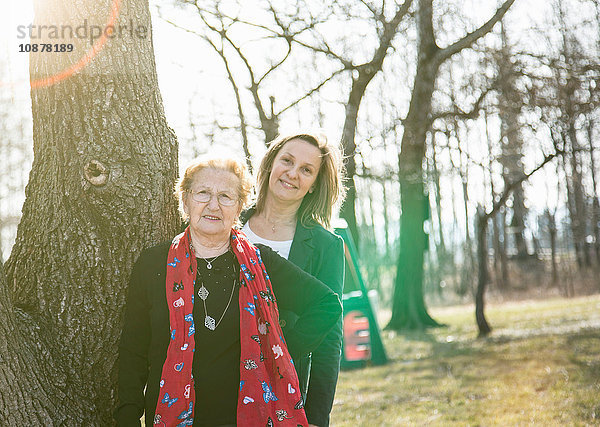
299, 181
233, 366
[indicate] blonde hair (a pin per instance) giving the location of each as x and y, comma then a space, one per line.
184, 184
329, 186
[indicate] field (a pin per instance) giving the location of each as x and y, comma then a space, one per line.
541, 365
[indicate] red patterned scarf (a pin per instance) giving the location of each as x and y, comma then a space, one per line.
269, 391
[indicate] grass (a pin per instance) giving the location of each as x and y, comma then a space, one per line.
541, 365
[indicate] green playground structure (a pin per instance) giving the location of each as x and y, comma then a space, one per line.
362, 343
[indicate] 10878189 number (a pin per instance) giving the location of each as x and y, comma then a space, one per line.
46, 47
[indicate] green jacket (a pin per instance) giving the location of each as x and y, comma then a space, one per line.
321, 254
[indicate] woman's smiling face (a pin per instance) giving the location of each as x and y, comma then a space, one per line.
211, 218
295, 170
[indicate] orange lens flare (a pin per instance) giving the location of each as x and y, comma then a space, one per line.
85, 59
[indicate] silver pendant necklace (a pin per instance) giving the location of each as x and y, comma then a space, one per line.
281, 224
209, 262
209, 321
203, 293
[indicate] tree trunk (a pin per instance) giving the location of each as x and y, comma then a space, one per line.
550, 217
509, 109
100, 190
408, 310
580, 219
348, 211
468, 262
573, 200
595, 202
366, 72
482, 277
498, 276
440, 249
386, 220
386, 203
517, 222
438, 204
499, 254
503, 255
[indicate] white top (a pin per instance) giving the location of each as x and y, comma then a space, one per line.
282, 247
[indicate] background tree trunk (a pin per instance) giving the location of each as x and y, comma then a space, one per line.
468, 264
483, 275
575, 199
551, 220
364, 76
595, 203
348, 210
509, 110
408, 308
100, 190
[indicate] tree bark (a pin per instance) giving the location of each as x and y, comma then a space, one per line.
100, 190
409, 310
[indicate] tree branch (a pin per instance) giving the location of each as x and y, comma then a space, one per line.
238, 100
276, 65
313, 90
473, 36
374, 11
511, 186
389, 31
459, 113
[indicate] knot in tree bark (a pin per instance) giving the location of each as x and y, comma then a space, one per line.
96, 173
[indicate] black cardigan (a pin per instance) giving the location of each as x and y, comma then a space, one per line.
321, 254
145, 335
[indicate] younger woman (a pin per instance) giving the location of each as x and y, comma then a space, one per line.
299, 182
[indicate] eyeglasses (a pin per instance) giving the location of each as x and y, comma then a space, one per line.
204, 196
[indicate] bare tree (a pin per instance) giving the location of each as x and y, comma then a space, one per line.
483, 217
255, 66
408, 310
